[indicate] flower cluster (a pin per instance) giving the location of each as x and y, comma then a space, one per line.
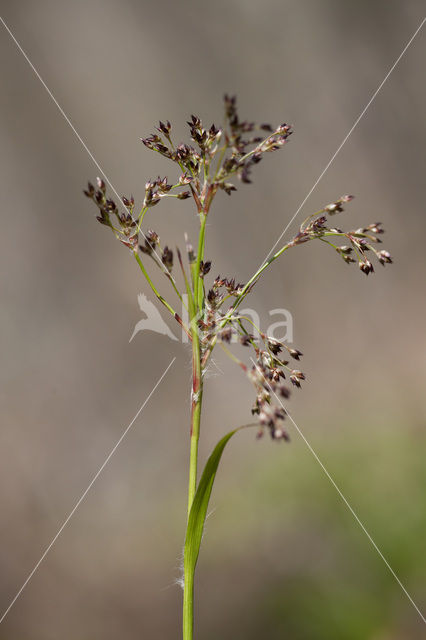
208, 163
109, 214
361, 240
242, 158
219, 154
270, 357
267, 374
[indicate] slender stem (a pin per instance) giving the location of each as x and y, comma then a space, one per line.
219, 162
167, 274
196, 403
246, 289
151, 284
159, 296
188, 608
258, 273
198, 288
188, 589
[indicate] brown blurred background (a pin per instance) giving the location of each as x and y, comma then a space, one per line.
282, 555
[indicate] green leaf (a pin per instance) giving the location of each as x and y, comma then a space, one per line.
194, 530
197, 515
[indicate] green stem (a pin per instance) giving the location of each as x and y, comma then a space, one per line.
188, 608
243, 294
198, 283
188, 589
151, 284
196, 403
258, 273
160, 297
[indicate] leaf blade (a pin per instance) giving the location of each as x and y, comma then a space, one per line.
198, 513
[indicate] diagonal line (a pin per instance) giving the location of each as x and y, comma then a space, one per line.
280, 237
345, 139
356, 517
95, 162
315, 455
62, 112
84, 494
313, 452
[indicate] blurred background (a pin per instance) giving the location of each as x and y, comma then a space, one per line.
282, 555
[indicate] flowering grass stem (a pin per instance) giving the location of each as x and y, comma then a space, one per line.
218, 157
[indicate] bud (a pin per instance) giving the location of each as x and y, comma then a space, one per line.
90, 191
100, 197
226, 334
274, 346
228, 187
101, 185
147, 142
366, 267
167, 258
205, 268
164, 128
384, 257
284, 391
184, 179
295, 353
104, 219
296, 377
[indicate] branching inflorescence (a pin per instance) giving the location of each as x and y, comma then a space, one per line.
209, 164
219, 156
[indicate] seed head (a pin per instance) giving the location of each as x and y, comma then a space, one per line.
366, 267
167, 258
384, 257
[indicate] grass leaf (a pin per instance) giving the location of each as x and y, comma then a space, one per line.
197, 515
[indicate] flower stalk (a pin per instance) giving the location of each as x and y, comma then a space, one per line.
208, 166
196, 405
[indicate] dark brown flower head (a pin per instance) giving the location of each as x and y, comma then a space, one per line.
246, 339
184, 195
185, 179
366, 267
274, 346
151, 241
337, 207
225, 335
167, 258
129, 203
205, 267
100, 197
384, 257
164, 128
90, 191
295, 353
213, 297
155, 143
296, 377
228, 187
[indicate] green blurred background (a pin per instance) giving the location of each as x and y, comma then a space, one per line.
282, 555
